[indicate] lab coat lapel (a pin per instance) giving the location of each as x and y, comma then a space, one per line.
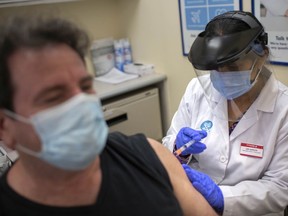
220, 113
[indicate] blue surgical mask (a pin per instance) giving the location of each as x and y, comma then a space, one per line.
72, 133
231, 84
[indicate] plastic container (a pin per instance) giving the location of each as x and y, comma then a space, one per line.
102, 52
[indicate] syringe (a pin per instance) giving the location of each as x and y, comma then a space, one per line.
185, 146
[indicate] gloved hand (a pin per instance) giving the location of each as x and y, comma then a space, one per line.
187, 134
206, 186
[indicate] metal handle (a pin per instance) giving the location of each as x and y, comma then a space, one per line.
116, 118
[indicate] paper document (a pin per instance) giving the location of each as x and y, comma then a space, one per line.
115, 76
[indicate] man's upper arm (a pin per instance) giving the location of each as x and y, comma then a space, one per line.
192, 202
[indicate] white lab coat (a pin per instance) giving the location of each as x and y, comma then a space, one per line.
251, 186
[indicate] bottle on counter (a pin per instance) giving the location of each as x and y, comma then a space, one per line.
127, 51
119, 54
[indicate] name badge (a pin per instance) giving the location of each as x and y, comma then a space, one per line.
251, 150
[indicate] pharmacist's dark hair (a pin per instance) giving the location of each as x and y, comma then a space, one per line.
34, 32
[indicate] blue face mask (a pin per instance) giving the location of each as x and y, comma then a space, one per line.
231, 84
72, 133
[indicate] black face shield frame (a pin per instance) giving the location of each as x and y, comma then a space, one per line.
210, 52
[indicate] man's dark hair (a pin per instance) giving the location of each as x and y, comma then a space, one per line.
34, 32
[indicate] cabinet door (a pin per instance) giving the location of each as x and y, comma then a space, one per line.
139, 113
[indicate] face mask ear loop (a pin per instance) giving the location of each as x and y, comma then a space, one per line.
20, 118
27, 151
258, 73
16, 116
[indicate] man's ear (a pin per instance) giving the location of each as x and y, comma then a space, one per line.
5, 134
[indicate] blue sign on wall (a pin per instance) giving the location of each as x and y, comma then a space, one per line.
195, 2
215, 11
196, 18
221, 2
195, 14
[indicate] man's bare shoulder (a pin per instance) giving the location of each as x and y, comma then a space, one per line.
183, 189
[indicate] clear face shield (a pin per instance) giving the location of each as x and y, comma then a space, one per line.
232, 87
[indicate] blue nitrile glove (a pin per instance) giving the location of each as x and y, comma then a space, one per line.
187, 134
207, 187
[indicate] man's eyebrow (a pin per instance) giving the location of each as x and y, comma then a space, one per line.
59, 88
49, 90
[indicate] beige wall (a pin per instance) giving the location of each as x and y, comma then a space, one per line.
154, 30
